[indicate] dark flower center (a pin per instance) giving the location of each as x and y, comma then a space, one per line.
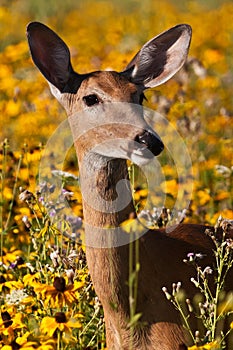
60, 317
15, 346
6, 319
2, 279
20, 261
59, 284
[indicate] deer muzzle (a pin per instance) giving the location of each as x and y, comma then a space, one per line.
151, 141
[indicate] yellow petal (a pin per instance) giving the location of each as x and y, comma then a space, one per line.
72, 323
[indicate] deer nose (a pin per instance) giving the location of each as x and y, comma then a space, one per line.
151, 141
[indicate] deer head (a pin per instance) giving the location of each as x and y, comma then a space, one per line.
106, 103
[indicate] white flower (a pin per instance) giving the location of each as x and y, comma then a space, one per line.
223, 170
15, 297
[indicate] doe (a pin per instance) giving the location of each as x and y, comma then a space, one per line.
105, 135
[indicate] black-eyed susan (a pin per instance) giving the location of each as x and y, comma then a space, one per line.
11, 285
10, 255
60, 322
29, 279
21, 343
8, 324
60, 293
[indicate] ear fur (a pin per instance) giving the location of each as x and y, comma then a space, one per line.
52, 56
160, 58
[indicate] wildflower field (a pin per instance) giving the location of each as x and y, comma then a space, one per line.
47, 300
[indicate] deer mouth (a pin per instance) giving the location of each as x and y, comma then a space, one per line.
141, 150
142, 153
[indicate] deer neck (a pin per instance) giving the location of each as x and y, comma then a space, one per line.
107, 198
107, 202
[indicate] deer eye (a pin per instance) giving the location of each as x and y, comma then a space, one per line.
91, 100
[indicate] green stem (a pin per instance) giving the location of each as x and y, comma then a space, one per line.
131, 171
134, 267
185, 318
13, 193
3, 176
58, 339
137, 268
131, 300
130, 278
220, 264
89, 323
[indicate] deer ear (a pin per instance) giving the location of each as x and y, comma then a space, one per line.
52, 56
160, 58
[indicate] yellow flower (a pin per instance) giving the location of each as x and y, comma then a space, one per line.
12, 108
29, 279
59, 294
170, 187
212, 56
24, 343
12, 285
49, 325
132, 225
21, 343
11, 255
214, 345
15, 322
141, 193
226, 213
204, 196
9, 324
47, 345
222, 195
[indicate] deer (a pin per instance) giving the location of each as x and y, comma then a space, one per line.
105, 137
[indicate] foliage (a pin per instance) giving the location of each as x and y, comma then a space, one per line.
47, 299
211, 306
